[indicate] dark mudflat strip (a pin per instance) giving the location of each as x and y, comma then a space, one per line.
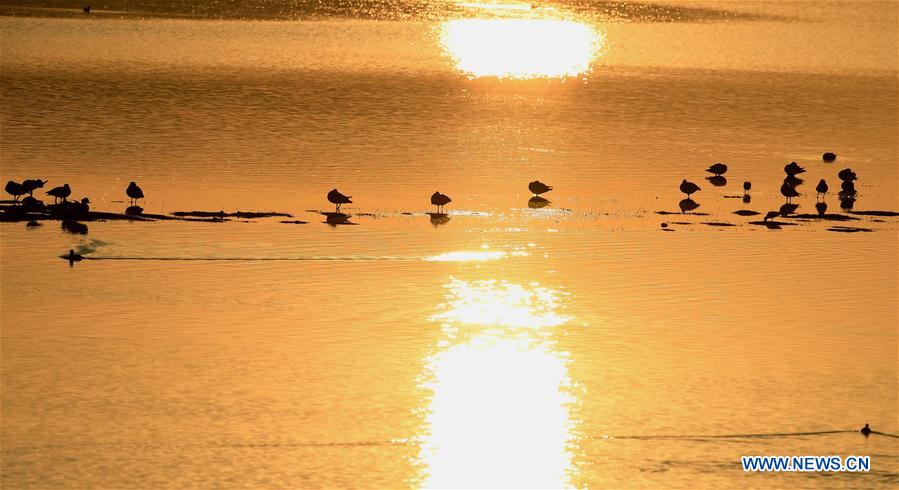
236, 214
849, 229
746, 212
875, 213
824, 217
718, 223
677, 213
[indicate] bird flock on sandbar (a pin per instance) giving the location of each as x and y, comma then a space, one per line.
71, 211
788, 189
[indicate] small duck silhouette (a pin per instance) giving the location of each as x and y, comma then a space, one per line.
537, 188
62, 192
829, 157
335, 197
718, 169
792, 169
73, 257
440, 200
134, 192
866, 430
689, 188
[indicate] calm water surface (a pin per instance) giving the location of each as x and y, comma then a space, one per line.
573, 345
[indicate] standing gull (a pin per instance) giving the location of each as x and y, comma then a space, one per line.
688, 188
134, 192
335, 197
537, 187
15, 189
822, 187
440, 200
718, 169
58, 193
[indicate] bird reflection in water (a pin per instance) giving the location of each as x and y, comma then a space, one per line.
335, 219
687, 205
538, 202
717, 180
501, 407
438, 219
788, 209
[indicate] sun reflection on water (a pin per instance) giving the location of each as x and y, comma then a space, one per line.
520, 48
499, 415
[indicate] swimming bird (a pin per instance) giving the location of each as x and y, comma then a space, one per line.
15, 189
537, 187
789, 191
793, 169
73, 257
847, 174
746, 187
440, 200
335, 197
718, 169
822, 187
31, 184
60, 193
688, 188
771, 215
866, 430
829, 157
134, 192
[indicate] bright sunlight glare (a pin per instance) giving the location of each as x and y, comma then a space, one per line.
520, 48
499, 414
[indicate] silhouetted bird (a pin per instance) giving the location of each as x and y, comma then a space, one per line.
793, 181
15, 189
134, 192
866, 430
821, 207
822, 187
537, 187
335, 197
60, 193
746, 187
440, 200
718, 169
789, 191
87, 9
847, 174
688, 188
829, 157
848, 187
793, 169
771, 215
31, 184
687, 205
